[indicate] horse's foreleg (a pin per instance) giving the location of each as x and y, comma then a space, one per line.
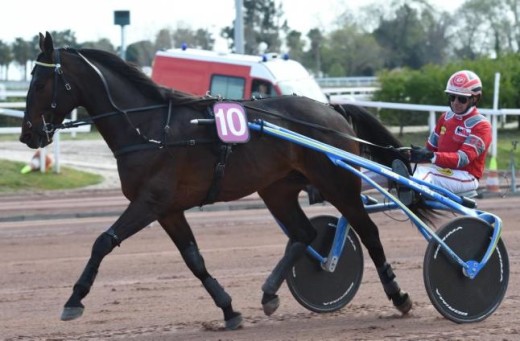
130, 222
180, 232
270, 301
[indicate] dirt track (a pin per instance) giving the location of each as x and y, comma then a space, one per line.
145, 292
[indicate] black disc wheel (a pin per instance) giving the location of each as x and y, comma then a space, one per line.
456, 296
323, 291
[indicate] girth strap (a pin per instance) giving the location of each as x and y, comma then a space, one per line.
214, 189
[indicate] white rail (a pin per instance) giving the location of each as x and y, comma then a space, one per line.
432, 109
18, 113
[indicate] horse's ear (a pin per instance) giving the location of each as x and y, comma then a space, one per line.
41, 41
46, 44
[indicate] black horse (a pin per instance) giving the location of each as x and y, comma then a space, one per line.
167, 165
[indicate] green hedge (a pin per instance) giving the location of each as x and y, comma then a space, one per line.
426, 86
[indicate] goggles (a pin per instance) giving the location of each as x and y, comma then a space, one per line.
461, 99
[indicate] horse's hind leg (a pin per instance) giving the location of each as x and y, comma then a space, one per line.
180, 232
281, 199
369, 234
343, 192
135, 218
351, 206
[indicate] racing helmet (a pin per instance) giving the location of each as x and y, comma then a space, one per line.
464, 83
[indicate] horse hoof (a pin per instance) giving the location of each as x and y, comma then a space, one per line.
235, 322
402, 302
271, 306
71, 313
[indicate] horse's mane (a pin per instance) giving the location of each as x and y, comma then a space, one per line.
133, 74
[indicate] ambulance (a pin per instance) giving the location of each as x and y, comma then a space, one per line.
233, 76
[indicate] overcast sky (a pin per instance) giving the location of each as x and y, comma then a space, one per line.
94, 19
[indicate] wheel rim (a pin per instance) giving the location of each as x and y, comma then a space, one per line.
322, 291
454, 295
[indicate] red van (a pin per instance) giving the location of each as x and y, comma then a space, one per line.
233, 76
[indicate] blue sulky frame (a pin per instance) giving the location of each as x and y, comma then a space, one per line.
437, 198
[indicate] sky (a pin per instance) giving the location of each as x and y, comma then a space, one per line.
94, 19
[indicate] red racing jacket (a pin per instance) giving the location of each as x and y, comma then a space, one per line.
461, 141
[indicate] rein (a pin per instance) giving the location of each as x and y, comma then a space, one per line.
326, 129
49, 128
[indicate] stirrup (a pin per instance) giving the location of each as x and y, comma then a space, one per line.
404, 193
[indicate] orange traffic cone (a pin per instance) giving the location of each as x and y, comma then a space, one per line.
492, 183
34, 165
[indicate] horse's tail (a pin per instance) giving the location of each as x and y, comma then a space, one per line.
383, 147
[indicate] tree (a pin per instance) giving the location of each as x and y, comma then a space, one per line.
414, 35
6, 57
262, 23
35, 47
200, 38
163, 40
350, 52
313, 60
295, 45
513, 7
140, 53
486, 28
101, 44
400, 37
471, 37
22, 54
66, 38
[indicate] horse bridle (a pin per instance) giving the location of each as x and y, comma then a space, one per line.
49, 128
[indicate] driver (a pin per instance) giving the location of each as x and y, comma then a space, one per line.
455, 152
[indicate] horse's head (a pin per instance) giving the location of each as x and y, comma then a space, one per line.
48, 99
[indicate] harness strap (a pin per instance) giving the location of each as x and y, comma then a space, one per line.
218, 174
168, 118
146, 146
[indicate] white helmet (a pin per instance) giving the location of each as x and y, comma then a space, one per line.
464, 83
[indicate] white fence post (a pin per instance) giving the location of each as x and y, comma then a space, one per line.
73, 117
43, 153
57, 144
495, 114
432, 120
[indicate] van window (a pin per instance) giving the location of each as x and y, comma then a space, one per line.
303, 87
227, 87
261, 89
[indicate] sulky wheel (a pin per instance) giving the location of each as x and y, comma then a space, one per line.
319, 290
454, 295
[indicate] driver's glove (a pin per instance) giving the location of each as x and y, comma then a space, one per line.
420, 154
